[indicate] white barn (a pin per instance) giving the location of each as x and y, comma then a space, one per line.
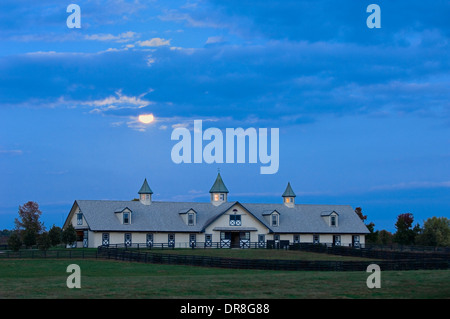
218, 223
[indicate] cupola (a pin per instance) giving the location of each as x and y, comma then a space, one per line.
218, 191
289, 196
145, 194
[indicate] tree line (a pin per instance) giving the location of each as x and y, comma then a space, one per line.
434, 232
30, 231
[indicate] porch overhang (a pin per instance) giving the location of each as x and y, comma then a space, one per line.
234, 229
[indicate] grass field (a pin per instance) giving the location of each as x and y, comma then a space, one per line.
258, 254
46, 278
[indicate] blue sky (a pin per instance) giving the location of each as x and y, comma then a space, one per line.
363, 114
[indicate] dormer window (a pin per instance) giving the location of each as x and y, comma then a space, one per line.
275, 219
126, 218
331, 218
191, 219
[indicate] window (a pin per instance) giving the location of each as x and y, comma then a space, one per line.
126, 218
333, 220
222, 197
235, 220
216, 197
274, 219
261, 238
191, 221
296, 238
79, 219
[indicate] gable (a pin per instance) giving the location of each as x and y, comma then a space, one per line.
73, 218
236, 218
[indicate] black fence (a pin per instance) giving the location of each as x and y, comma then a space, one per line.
264, 264
269, 244
373, 252
56, 253
386, 259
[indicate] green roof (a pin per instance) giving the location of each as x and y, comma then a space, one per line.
289, 192
145, 189
219, 186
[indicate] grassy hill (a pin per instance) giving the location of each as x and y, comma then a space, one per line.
46, 278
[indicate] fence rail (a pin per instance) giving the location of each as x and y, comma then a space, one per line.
387, 260
264, 264
372, 252
56, 253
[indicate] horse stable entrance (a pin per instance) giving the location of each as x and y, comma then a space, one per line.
235, 239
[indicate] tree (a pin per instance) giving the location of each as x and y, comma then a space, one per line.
14, 241
405, 235
43, 241
384, 237
373, 236
358, 211
55, 234
69, 235
435, 232
29, 237
29, 225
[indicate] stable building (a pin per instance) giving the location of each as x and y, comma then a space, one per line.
218, 223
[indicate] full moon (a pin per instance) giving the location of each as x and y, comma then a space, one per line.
146, 118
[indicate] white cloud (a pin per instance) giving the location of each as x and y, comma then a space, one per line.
217, 39
120, 101
150, 60
413, 185
11, 152
154, 42
123, 37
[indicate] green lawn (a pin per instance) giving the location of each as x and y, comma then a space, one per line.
46, 278
257, 254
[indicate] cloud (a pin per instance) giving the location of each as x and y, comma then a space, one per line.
120, 38
215, 40
269, 68
154, 42
118, 102
11, 152
413, 185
